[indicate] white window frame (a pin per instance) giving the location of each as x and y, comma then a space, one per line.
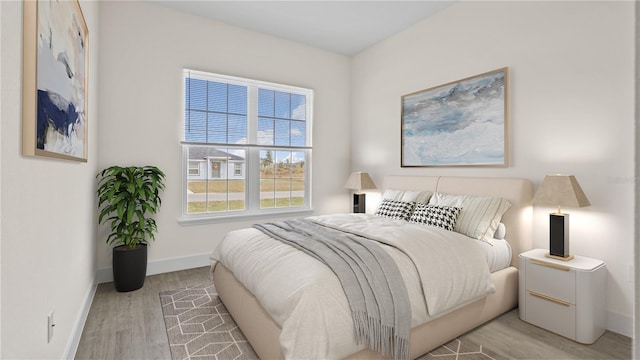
252, 159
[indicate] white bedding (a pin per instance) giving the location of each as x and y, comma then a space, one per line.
498, 254
305, 298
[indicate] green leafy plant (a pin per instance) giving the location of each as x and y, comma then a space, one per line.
126, 198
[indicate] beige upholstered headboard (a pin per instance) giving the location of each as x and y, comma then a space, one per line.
518, 192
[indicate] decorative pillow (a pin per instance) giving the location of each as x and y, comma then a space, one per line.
395, 209
501, 232
418, 196
479, 215
441, 216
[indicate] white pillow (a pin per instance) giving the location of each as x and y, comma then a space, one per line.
501, 232
417, 196
392, 194
480, 215
450, 200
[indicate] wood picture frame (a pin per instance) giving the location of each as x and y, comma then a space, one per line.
461, 123
55, 80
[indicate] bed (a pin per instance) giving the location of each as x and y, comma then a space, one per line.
264, 333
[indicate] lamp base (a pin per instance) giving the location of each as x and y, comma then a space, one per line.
559, 235
359, 205
563, 258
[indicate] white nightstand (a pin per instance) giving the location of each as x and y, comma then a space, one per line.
565, 297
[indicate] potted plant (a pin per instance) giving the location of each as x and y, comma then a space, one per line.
127, 197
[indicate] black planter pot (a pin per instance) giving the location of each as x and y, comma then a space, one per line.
129, 267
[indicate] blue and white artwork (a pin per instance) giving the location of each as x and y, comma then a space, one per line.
457, 124
61, 116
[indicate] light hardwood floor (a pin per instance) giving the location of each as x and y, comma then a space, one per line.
130, 326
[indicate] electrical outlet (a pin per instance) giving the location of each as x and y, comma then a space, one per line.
50, 325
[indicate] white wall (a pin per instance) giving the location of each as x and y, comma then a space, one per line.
143, 49
48, 216
571, 99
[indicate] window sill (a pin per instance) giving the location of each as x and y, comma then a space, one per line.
201, 220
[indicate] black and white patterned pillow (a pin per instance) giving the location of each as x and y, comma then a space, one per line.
441, 216
395, 209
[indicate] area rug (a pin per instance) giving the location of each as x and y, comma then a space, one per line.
199, 327
458, 349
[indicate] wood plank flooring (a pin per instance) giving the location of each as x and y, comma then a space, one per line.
130, 325
123, 326
515, 339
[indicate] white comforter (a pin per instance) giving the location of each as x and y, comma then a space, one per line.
442, 270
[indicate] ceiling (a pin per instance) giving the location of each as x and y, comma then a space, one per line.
343, 27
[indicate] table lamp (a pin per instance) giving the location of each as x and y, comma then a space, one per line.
560, 190
359, 181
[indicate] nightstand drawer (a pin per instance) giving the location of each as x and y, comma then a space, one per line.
552, 280
551, 314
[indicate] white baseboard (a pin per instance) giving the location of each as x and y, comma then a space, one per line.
619, 323
161, 266
78, 326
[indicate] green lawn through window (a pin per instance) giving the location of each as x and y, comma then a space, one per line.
237, 186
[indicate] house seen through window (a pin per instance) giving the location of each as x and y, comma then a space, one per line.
246, 146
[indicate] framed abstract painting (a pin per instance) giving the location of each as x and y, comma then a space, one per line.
461, 123
54, 98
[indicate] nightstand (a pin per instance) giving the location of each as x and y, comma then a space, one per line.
565, 297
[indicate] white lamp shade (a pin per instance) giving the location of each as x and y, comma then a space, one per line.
360, 180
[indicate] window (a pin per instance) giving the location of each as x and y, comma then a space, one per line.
247, 146
194, 168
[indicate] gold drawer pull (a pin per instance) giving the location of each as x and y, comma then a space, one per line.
551, 265
547, 297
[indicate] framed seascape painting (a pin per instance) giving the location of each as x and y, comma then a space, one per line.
462, 123
54, 98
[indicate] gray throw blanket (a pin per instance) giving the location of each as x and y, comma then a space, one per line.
370, 278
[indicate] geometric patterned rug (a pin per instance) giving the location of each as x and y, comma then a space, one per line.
457, 349
199, 327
